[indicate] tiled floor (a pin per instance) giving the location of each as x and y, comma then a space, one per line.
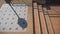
9, 19
24, 12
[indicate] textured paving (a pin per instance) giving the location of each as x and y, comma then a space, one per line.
9, 19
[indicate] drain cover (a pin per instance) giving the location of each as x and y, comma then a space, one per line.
8, 18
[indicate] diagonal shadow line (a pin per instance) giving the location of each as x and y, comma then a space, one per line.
14, 10
21, 22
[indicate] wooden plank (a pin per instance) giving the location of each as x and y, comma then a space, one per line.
49, 25
44, 29
50, 29
54, 15
54, 10
17, 1
35, 5
36, 19
56, 24
29, 3
55, 18
37, 25
22, 1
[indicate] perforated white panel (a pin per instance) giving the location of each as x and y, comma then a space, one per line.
8, 18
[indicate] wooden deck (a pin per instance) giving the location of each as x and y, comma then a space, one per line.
47, 21
39, 21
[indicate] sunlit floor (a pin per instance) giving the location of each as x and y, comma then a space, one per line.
45, 21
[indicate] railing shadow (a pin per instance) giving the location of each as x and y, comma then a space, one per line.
49, 3
53, 3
